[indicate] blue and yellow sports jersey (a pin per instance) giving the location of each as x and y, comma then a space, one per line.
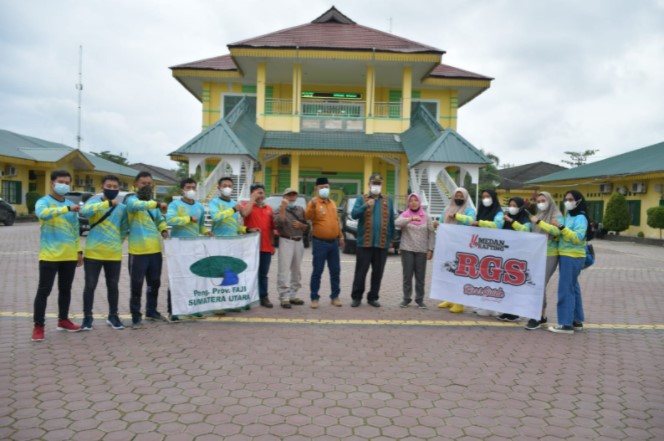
145, 226
60, 239
573, 237
553, 235
105, 240
463, 219
498, 221
179, 217
225, 220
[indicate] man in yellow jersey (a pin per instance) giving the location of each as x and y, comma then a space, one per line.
103, 249
146, 227
59, 252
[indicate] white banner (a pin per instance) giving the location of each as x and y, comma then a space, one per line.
212, 273
499, 270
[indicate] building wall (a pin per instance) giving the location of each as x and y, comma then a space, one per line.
640, 202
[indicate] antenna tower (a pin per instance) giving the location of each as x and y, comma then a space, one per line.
79, 87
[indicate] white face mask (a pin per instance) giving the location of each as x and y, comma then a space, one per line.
375, 189
570, 205
324, 193
190, 194
487, 202
226, 191
542, 206
513, 210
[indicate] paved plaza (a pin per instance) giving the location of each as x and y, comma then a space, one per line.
337, 373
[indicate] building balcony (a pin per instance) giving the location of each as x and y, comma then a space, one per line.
335, 115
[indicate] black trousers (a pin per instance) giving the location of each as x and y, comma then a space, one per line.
112, 273
47, 272
368, 257
144, 267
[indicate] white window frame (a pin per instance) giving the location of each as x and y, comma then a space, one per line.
436, 102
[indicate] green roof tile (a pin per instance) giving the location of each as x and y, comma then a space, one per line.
644, 160
346, 141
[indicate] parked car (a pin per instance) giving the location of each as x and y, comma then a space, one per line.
349, 227
7, 212
274, 201
80, 198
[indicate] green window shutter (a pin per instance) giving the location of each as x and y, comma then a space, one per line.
634, 208
416, 94
596, 210
12, 191
248, 89
395, 97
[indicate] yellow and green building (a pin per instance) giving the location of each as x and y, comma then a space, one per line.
638, 175
332, 98
26, 164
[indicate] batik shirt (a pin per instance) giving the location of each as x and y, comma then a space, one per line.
105, 240
60, 237
179, 218
225, 220
145, 226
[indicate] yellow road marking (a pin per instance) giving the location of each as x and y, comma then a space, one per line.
338, 322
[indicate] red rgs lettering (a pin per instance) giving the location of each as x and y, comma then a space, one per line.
515, 272
491, 269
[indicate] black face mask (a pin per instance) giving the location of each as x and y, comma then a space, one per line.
110, 194
144, 193
459, 202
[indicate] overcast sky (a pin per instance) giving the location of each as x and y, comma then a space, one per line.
569, 75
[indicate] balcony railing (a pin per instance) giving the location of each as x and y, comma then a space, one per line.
278, 106
387, 110
321, 109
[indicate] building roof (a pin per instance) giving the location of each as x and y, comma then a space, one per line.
644, 160
427, 141
515, 177
235, 134
113, 168
166, 175
223, 62
451, 72
333, 31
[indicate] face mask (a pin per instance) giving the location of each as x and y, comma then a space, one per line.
570, 205
375, 190
542, 206
61, 189
190, 194
110, 194
324, 193
291, 205
226, 192
487, 202
459, 202
513, 210
144, 193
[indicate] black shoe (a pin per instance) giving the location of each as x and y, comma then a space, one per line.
174, 319
374, 303
404, 304
508, 317
136, 323
533, 324
156, 317
562, 329
286, 305
87, 324
421, 305
355, 303
296, 301
578, 326
114, 322
265, 302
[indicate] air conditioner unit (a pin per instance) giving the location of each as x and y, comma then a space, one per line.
622, 190
10, 171
638, 187
284, 160
659, 188
605, 188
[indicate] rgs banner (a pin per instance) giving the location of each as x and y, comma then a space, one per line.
499, 270
212, 273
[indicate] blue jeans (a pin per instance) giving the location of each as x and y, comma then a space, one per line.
263, 270
325, 251
570, 307
144, 267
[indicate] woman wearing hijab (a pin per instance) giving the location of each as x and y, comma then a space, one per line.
516, 219
547, 212
462, 213
417, 240
489, 215
572, 255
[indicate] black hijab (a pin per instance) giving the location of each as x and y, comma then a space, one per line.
488, 213
521, 217
580, 209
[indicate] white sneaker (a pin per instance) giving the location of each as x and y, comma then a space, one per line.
484, 312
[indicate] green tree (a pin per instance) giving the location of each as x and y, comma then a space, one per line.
656, 218
31, 199
578, 158
616, 217
118, 159
489, 177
